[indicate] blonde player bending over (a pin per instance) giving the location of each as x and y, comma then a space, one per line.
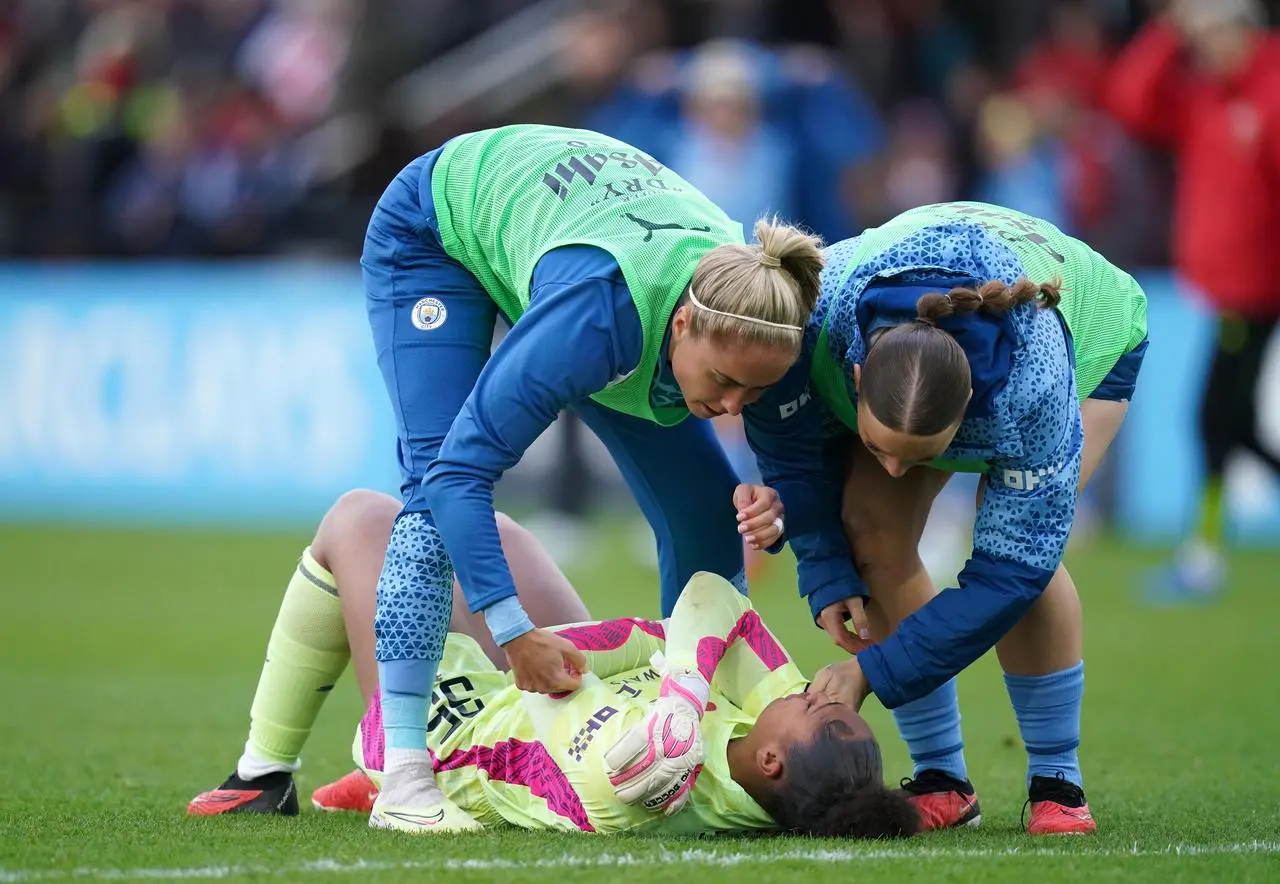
720, 736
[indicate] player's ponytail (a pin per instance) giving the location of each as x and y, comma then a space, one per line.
833, 787
916, 377
992, 296
761, 293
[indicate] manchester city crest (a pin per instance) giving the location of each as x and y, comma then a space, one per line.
429, 314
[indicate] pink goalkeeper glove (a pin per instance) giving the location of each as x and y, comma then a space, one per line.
656, 762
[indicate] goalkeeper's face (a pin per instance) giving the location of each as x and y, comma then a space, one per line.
796, 719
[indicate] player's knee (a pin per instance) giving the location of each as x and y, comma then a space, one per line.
885, 558
356, 516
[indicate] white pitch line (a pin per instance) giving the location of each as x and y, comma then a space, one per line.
693, 856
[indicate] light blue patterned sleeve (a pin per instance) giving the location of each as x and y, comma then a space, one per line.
1029, 501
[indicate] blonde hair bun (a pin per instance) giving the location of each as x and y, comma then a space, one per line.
761, 293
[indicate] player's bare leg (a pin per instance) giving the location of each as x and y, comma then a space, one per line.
884, 519
319, 628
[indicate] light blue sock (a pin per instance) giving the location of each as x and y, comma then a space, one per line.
404, 716
931, 728
415, 601
1048, 712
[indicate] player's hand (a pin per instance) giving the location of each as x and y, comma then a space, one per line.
545, 663
853, 612
842, 682
656, 762
760, 515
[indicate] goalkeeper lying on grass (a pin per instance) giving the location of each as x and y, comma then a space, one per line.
719, 737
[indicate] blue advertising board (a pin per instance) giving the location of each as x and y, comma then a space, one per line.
247, 393
1158, 467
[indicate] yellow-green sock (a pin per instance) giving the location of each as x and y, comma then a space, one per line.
305, 656
1211, 499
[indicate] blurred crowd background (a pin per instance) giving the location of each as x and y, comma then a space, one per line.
249, 127
186, 130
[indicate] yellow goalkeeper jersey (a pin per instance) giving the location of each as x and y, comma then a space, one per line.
536, 762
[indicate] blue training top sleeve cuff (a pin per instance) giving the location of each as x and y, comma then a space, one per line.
507, 620
831, 593
876, 671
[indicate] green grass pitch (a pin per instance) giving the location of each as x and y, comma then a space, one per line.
128, 659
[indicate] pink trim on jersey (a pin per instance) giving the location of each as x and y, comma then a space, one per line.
511, 761
609, 635
524, 764
750, 629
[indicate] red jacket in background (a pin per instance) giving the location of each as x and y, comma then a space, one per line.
1226, 137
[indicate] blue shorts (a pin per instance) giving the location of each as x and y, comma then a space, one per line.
1122, 380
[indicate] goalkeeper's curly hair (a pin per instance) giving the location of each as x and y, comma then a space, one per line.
833, 787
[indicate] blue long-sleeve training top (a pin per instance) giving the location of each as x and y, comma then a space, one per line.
1023, 423
581, 330
800, 451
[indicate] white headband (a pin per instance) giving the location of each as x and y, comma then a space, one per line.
702, 306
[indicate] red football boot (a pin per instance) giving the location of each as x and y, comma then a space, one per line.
355, 791
942, 801
270, 794
1058, 808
